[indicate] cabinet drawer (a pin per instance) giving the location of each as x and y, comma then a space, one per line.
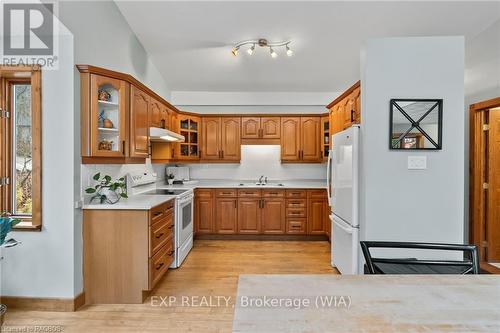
203, 193
296, 203
273, 193
296, 212
160, 212
159, 263
296, 193
160, 233
227, 192
316, 194
249, 193
296, 226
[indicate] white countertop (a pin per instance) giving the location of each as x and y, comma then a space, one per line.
221, 183
145, 202
136, 202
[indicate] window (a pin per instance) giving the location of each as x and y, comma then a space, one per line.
20, 145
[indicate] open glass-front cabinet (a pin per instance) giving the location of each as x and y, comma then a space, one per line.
108, 98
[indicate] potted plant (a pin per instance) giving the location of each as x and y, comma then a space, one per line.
170, 178
106, 190
6, 224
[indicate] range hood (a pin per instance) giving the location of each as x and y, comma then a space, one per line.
157, 134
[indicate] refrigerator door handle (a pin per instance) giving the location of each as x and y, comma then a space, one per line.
328, 185
342, 226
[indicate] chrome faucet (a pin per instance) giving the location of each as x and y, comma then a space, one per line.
260, 179
265, 181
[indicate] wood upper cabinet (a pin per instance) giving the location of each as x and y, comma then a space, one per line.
204, 211
226, 212
211, 138
345, 110
260, 127
250, 127
310, 133
221, 138
155, 113
273, 216
301, 139
290, 138
325, 137
249, 215
104, 124
189, 127
139, 123
230, 139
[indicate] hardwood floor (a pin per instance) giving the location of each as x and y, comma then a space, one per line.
211, 269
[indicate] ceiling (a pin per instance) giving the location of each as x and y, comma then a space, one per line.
190, 42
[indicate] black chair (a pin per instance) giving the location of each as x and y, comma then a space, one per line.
470, 264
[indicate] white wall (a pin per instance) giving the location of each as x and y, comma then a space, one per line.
255, 109
397, 203
44, 264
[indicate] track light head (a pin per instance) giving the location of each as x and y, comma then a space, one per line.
234, 51
289, 51
250, 50
273, 53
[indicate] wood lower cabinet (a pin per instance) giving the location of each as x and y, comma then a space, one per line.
249, 216
126, 252
226, 215
273, 216
235, 211
204, 211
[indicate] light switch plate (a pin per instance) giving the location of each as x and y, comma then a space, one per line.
417, 162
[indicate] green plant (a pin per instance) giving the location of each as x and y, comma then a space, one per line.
107, 190
6, 224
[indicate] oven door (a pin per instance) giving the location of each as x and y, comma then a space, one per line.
184, 227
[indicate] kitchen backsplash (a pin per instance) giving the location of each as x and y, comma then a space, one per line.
256, 160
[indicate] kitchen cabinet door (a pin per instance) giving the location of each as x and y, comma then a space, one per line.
250, 127
108, 117
211, 138
316, 216
356, 97
230, 139
348, 111
310, 138
226, 212
270, 127
139, 123
273, 216
290, 138
204, 215
155, 113
165, 117
249, 216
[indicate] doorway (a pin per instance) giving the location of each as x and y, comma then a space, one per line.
485, 181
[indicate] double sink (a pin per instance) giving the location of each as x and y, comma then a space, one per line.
261, 185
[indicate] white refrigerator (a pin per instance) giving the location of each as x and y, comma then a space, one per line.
343, 198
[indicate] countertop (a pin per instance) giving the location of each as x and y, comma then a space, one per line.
219, 183
369, 303
145, 202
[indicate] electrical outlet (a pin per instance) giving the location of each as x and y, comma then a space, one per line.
417, 162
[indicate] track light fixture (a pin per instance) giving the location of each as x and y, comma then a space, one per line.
262, 42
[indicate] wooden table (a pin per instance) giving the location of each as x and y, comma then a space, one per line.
376, 303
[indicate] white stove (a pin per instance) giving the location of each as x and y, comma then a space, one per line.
145, 184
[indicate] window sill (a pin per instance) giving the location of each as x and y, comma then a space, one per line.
27, 226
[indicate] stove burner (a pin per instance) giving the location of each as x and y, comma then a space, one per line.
166, 192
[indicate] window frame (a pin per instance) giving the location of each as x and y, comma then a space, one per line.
9, 76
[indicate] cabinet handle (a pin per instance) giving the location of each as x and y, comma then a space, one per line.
159, 266
171, 226
352, 115
235, 204
222, 153
123, 147
170, 253
159, 236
